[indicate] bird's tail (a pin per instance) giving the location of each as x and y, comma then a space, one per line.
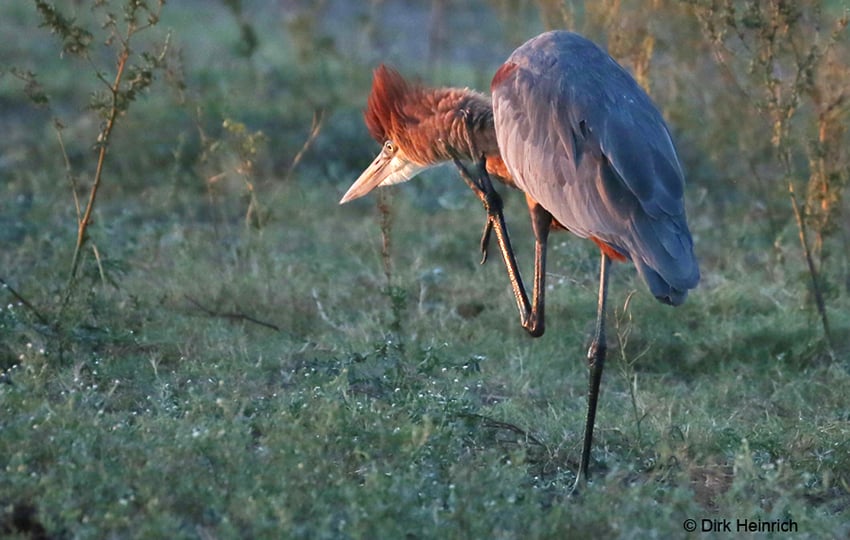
673, 294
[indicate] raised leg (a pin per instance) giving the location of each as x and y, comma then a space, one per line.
596, 363
530, 313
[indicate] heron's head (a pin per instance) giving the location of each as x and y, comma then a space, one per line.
391, 166
417, 127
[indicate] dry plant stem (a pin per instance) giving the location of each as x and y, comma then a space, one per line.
392, 293
103, 140
820, 305
315, 129
253, 204
73, 181
623, 323
498, 424
385, 210
99, 264
23, 301
322, 312
813, 273
232, 315
784, 153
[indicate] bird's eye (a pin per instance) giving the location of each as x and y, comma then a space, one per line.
389, 147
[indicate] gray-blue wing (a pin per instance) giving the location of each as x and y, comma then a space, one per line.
585, 141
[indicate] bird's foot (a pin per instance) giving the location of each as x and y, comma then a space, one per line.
483, 188
485, 239
492, 202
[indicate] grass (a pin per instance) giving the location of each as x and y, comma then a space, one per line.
166, 421
212, 380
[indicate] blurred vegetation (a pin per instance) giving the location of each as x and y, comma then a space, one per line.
782, 56
233, 355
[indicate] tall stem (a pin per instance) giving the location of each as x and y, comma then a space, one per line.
813, 273
103, 140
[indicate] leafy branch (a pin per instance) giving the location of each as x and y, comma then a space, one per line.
133, 74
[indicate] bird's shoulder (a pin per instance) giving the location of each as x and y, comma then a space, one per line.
564, 99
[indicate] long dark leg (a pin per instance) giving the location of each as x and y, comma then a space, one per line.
530, 313
596, 362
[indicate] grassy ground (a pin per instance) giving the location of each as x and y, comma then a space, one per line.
209, 379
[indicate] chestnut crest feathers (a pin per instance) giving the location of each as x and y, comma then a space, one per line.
421, 127
385, 109
423, 121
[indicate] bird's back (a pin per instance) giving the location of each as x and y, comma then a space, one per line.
581, 137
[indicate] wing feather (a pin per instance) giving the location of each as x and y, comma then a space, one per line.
585, 141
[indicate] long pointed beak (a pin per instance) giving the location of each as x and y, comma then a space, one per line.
383, 171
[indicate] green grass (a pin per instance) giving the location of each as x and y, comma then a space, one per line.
161, 403
162, 420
